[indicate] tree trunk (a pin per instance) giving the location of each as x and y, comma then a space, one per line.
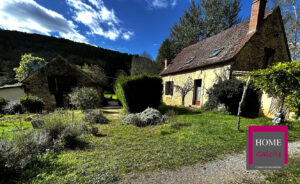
182, 100
242, 102
281, 104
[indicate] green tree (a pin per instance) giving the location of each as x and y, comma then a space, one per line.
28, 64
165, 52
202, 21
281, 80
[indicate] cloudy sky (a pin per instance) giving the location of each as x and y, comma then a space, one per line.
130, 26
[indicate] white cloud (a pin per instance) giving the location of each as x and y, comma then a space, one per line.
161, 3
28, 16
128, 35
98, 18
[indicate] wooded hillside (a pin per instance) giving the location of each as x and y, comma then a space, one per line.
14, 44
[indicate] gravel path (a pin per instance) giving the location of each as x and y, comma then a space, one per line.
231, 169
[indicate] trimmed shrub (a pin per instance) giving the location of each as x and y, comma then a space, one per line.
32, 104
2, 104
85, 98
148, 117
229, 93
136, 93
95, 117
14, 107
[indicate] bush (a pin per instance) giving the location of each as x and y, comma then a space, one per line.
229, 93
14, 107
85, 98
95, 117
32, 104
148, 117
136, 93
2, 104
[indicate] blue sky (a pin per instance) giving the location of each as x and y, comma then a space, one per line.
130, 26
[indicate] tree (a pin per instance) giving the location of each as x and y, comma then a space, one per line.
146, 55
165, 52
290, 12
142, 65
185, 89
189, 29
281, 80
202, 21
28, 65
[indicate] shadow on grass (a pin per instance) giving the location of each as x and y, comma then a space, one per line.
177, 109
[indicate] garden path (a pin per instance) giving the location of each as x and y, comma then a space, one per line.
231, 169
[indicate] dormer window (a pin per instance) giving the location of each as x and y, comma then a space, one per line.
190, 60
215, 53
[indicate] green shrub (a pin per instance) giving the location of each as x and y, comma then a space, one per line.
95, 117
229, 93
2, 104
85, 98
148, 117
32, 104
136, 93
14, 107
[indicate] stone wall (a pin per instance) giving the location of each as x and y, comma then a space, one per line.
37, 83
12, 94
208, 75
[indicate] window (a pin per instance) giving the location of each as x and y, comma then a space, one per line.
216, 52
169, 88
190, 60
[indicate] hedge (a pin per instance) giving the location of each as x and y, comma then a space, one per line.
136, 93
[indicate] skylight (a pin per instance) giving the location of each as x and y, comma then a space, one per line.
216, 52
190, 60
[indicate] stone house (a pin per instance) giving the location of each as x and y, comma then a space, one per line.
53, 82
250, 45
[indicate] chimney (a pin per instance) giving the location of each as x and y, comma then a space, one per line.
166, 63
257, 15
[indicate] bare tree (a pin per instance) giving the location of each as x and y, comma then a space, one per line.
290, 12
185, 89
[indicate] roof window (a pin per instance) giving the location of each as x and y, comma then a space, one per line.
190, 60
216, 52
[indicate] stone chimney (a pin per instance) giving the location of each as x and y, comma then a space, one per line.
257, 15
166, 63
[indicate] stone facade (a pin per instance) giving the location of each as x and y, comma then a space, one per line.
12, 93
266, 46
64, 77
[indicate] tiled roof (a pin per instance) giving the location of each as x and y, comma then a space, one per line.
231, 41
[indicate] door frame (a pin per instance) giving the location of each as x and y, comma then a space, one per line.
197, 83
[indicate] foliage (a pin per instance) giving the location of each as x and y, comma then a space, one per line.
142, 65
185, 89
293, 102
2, 104
163, 108
95, 117
32, 104
14, 107
203, 20
281, 79
136, 93
165, 52
28, 65
85, 98
148, 117
229, 93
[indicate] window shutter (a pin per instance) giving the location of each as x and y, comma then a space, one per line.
166, 88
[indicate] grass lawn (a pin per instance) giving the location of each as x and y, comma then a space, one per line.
291, 173
121, 149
